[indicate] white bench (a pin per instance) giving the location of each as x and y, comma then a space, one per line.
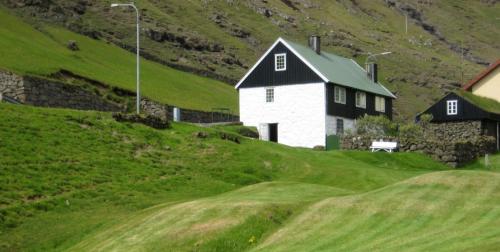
381, 145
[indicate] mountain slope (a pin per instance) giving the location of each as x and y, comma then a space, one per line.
223, 38
41, 50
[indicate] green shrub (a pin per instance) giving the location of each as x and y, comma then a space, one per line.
425, 120
411, 131
376, 125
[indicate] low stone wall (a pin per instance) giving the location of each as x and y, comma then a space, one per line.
12, 85
51, 93
453, 153
187, 115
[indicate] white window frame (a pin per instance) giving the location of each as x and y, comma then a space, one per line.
338, 122
360, 103
276, 66
380, 104
269, 95
339, 97
452, 107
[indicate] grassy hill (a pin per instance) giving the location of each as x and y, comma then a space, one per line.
103, 185
226, 37
41, 50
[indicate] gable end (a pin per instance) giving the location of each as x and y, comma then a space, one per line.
465, 110
264, 72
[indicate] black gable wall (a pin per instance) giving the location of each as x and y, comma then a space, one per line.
297, 72
466, 110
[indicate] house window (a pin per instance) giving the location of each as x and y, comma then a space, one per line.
379, 104
451, 107
339, 94
340, 126
361, 99
280, 62
269, 94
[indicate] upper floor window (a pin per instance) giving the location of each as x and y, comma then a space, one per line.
379, 104
360, 99
451, 107
269, 94
280, 62
339, 94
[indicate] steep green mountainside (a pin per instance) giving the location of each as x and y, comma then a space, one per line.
80, 181
224, 38
42, 50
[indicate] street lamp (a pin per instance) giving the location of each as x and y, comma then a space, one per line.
138, 103
374, 56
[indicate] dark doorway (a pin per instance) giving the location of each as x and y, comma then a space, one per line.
273, 132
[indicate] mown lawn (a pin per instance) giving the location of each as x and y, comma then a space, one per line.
42, 51
79, 181
80, 173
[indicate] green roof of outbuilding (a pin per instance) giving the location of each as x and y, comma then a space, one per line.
340, 70
486, 104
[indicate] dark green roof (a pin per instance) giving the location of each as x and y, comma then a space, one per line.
486, 104
340, 70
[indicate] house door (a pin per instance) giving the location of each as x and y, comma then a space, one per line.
273, 132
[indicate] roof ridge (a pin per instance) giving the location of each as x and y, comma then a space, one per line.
481, 75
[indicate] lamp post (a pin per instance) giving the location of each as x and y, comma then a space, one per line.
374, 56
138, 102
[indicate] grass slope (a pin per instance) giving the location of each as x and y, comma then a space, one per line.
43, 51
444, 211
82, 173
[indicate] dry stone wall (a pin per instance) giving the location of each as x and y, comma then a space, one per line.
12, 85
453, 143
52, 93
187, 115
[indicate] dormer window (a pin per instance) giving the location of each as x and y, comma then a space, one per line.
451, 107
280, 62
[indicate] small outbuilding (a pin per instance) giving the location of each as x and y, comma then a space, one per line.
464, 114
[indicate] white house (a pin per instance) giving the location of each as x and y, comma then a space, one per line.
301, 96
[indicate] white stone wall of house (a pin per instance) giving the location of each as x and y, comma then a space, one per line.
332, 127
299, 111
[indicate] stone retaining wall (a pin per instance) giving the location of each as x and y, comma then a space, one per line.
453, 153
187, 115
453, 143
51, 93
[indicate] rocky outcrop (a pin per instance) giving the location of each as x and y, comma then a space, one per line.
185, 42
